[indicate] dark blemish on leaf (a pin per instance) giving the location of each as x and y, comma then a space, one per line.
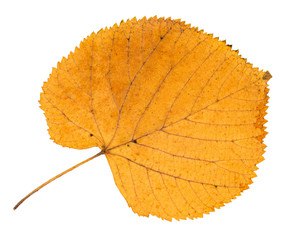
161, 37
128, 145
135, 141
90, 134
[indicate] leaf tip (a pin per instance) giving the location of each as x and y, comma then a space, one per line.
267, 76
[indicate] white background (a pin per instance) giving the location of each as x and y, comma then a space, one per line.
86, 204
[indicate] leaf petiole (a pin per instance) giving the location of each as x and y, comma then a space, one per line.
54, 178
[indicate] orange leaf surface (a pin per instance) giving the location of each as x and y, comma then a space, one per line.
178, 114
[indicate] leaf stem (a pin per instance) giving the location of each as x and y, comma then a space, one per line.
54, 178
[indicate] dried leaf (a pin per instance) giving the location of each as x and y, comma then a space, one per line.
178, 114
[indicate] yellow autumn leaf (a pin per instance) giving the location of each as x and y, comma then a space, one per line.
178, 114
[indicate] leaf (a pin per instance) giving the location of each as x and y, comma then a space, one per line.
178, 114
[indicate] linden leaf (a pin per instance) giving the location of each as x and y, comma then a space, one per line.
178, 114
